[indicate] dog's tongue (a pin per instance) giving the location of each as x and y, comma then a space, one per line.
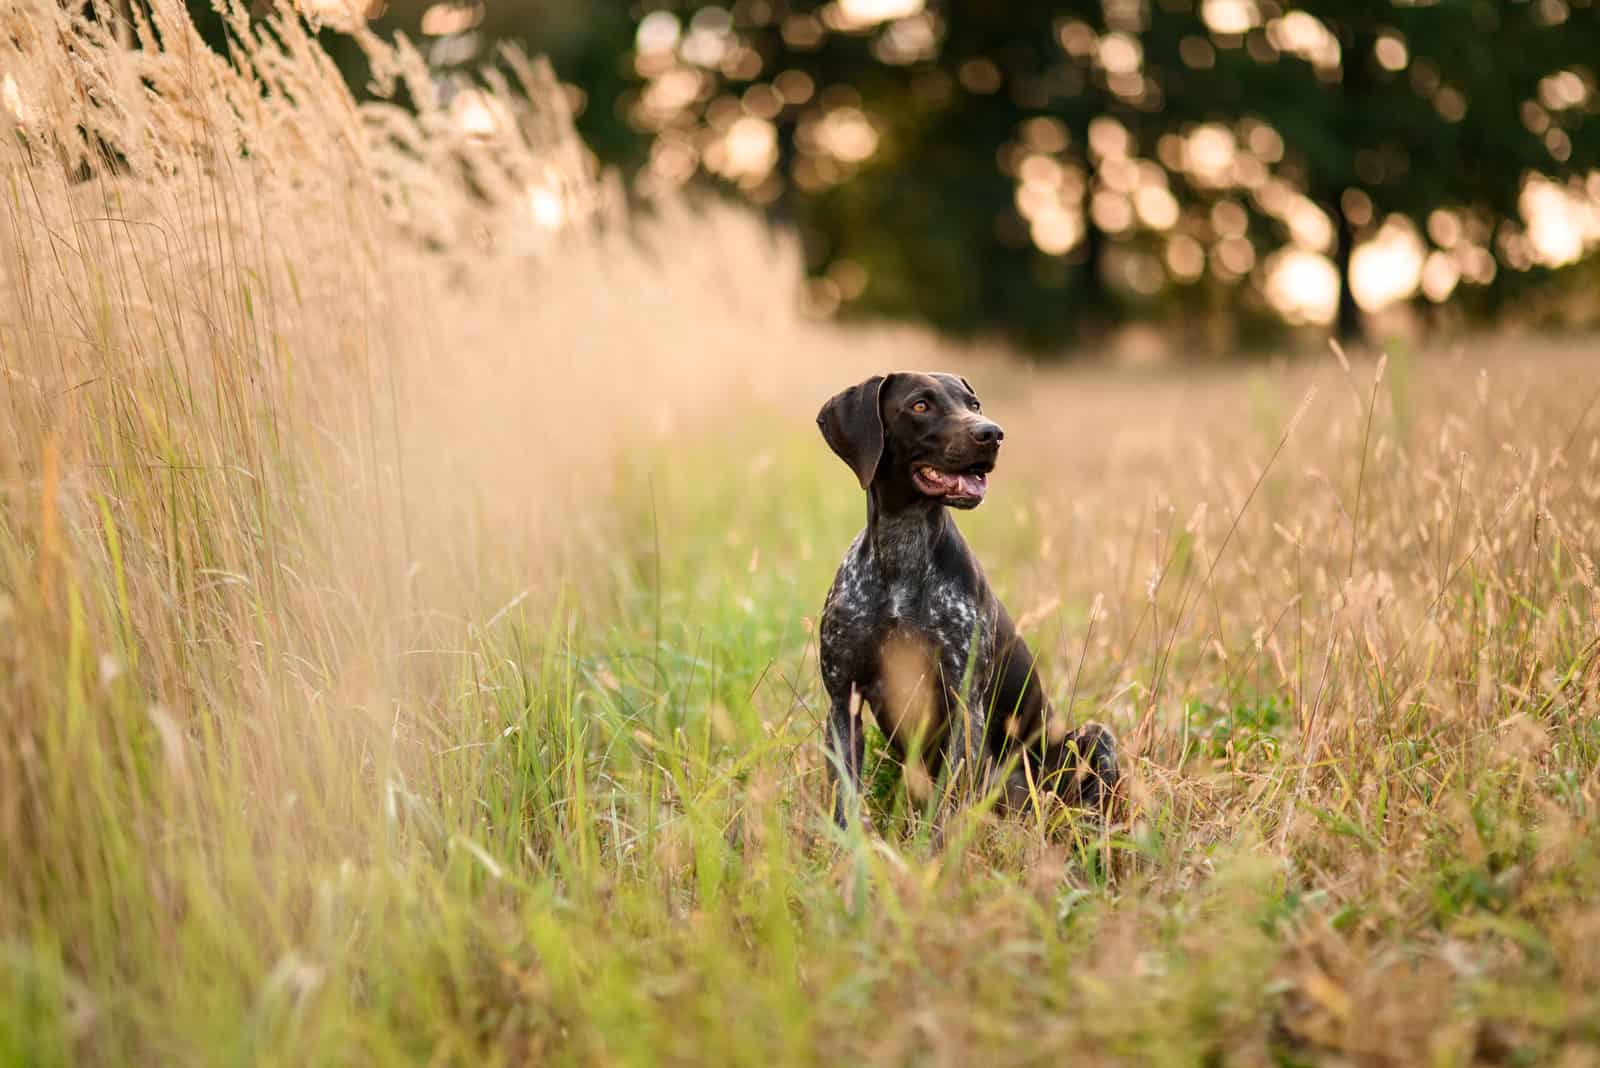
952, 484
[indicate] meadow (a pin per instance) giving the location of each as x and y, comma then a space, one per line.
406, 645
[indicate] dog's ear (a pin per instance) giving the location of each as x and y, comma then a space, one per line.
964, 382
852, 425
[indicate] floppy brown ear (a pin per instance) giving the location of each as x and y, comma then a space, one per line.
852, 425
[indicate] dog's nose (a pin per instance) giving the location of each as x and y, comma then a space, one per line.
987, 433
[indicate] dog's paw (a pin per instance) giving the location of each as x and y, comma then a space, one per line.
841, 819
1095, 779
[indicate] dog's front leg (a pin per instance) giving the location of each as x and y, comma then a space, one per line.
963, 741
843, 750
965, 708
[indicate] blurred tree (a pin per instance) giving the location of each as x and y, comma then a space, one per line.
902, 137
1047, 169
1039, 167
1424, 113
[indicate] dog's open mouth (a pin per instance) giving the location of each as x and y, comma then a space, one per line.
956, 487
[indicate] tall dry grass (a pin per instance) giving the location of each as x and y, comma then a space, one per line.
296, 391
404, 650
286, 376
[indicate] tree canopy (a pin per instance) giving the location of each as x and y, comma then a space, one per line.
1048, 169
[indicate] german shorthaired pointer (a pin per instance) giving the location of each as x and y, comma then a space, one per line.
910, 625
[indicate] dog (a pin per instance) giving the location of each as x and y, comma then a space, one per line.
910, 626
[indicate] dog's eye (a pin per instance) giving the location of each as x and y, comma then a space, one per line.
973, 405
920, 407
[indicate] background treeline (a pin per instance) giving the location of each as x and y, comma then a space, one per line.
1048, 170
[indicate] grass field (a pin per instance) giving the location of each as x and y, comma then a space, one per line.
406, 653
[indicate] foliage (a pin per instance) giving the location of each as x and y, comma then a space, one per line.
941, 163
1227, 734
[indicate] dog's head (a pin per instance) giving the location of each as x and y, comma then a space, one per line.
914, 435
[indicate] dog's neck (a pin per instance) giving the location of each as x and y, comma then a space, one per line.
903, 535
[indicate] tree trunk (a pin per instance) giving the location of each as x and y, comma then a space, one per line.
1349, 327
1094, 282
1356, 85
1095, 318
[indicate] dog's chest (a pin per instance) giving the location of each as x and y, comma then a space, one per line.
936, 607
872, 604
